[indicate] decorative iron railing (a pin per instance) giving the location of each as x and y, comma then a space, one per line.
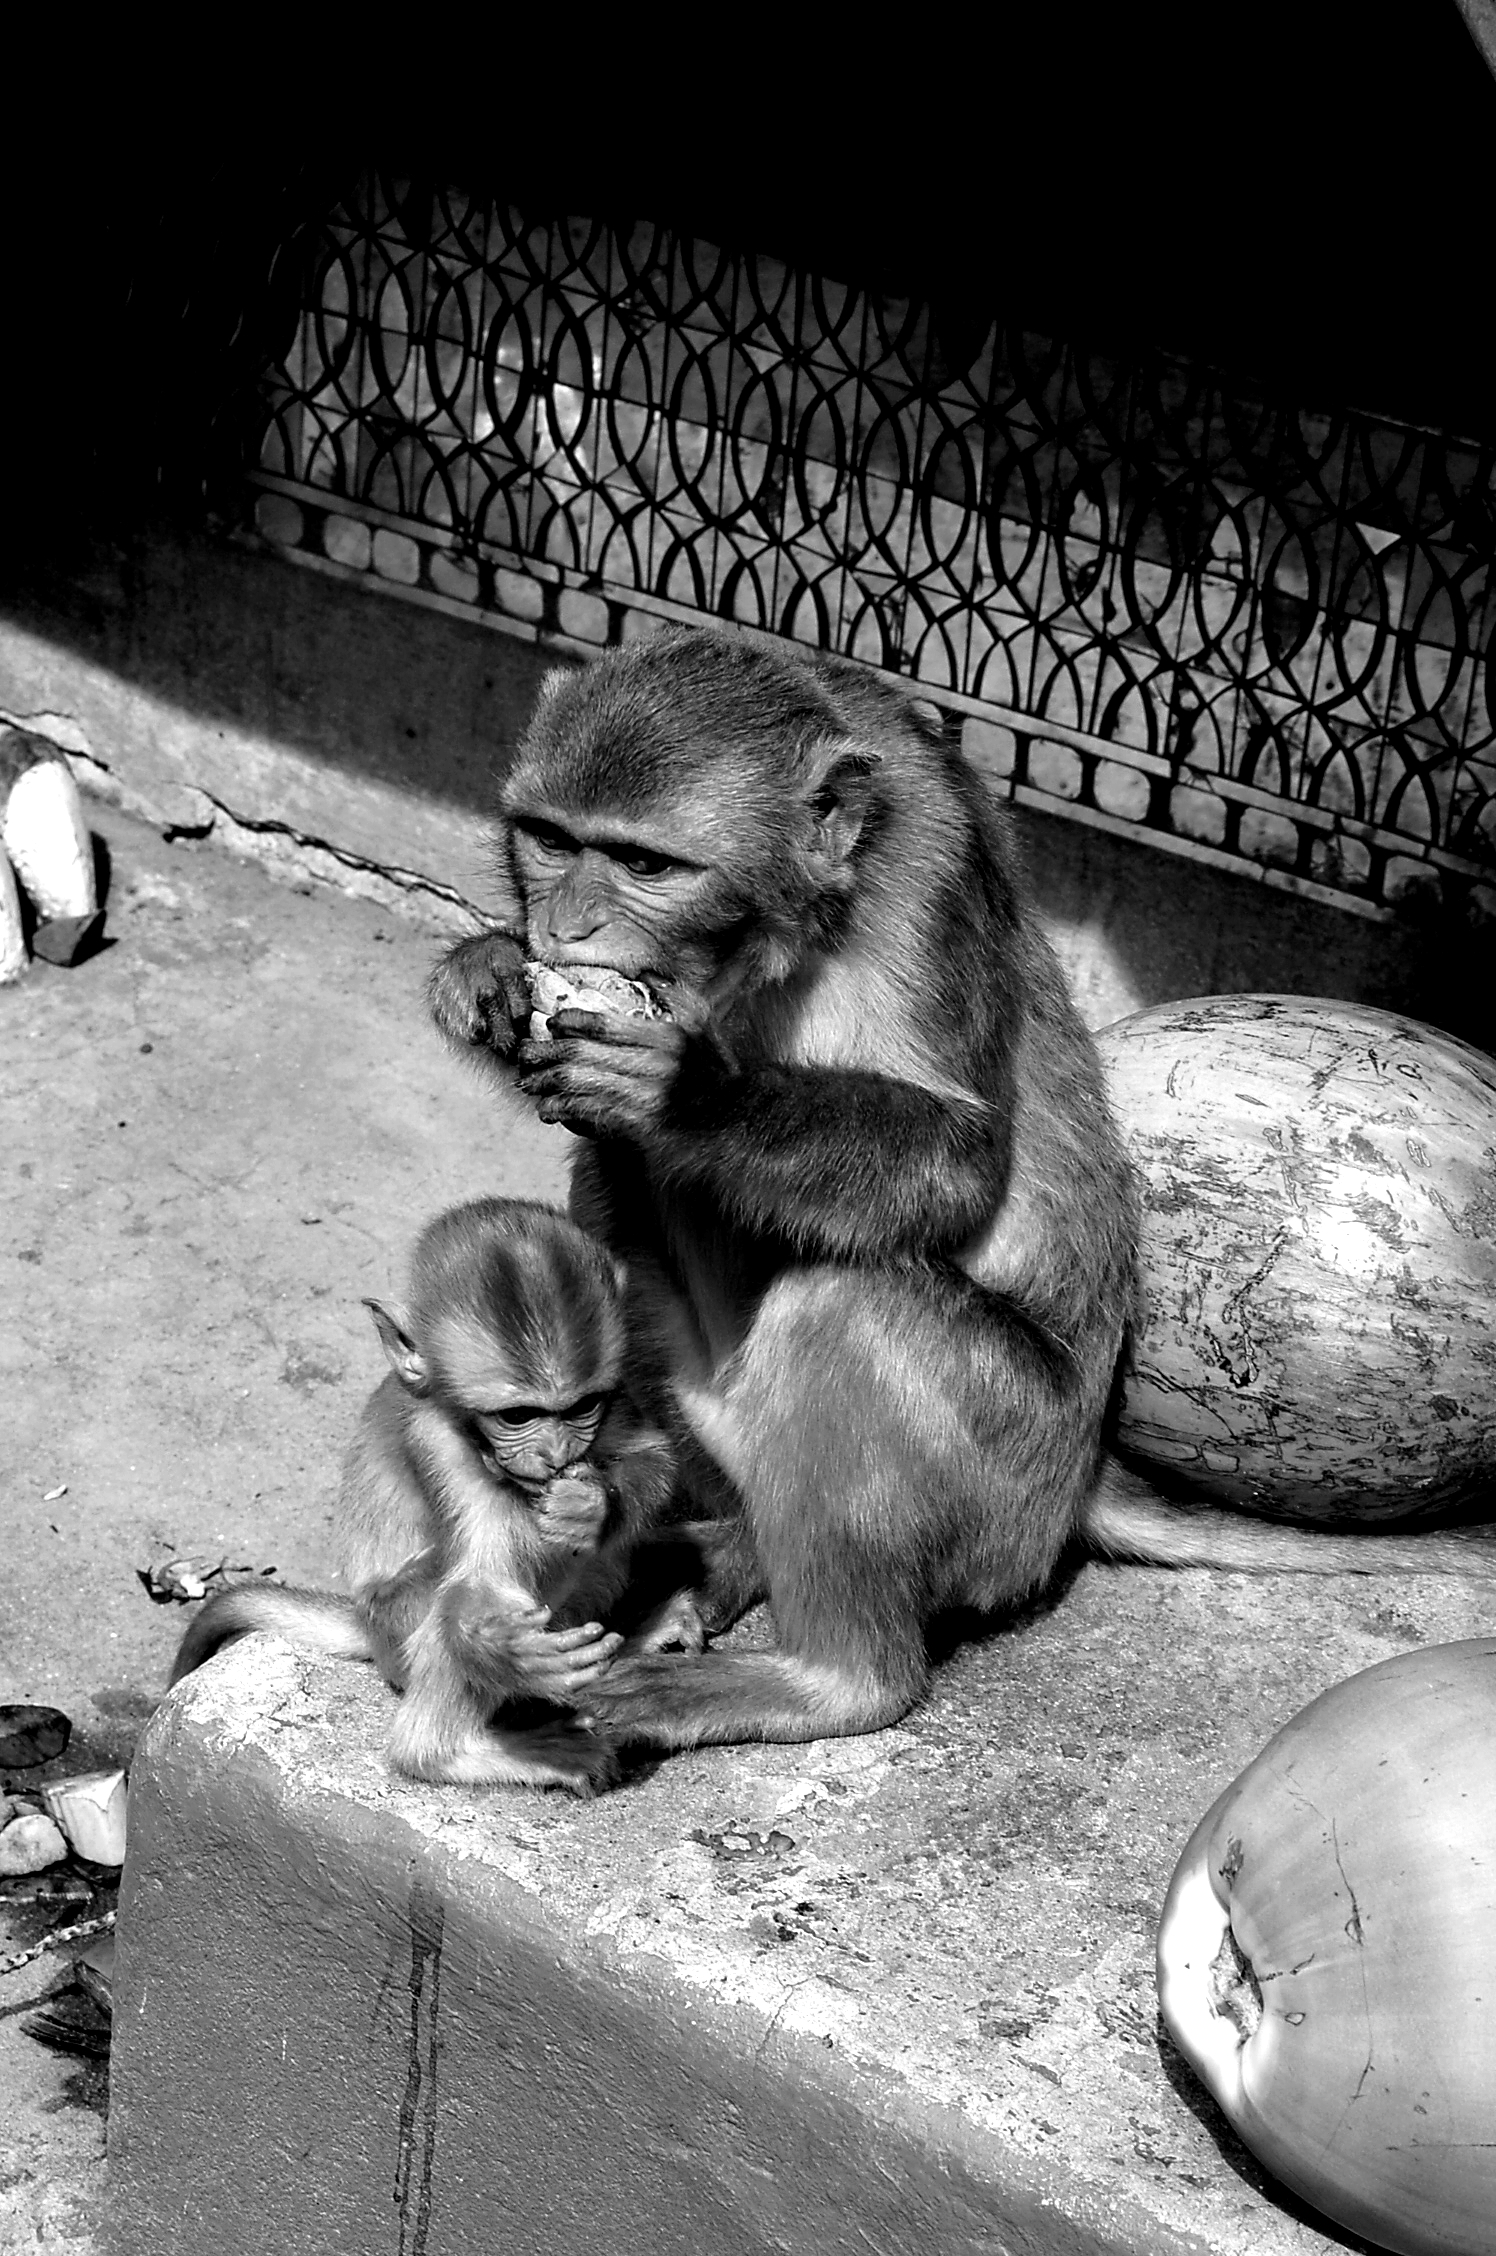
1253, 635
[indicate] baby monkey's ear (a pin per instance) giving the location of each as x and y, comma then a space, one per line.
405, 1358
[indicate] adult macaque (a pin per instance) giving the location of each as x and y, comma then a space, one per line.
879, 1227
493, 1501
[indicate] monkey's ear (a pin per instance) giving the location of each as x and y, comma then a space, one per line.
838, 789
405, 1358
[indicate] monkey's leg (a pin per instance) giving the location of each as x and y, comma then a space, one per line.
393, 1608
902, 1442
442, 1731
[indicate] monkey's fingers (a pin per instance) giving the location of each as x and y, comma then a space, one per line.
604, 1086
568, 1686
615, 1031
589, 1633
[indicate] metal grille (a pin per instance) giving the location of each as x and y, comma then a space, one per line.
1250, 634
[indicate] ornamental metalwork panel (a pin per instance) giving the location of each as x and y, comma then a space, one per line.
1247, 633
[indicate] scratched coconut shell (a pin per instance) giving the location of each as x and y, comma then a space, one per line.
1327, 1952
1319, 1254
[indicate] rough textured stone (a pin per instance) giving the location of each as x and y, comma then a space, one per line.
892, 1993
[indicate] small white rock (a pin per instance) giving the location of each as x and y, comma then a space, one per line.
47, 839
12, 933
91, 1811
30, 1844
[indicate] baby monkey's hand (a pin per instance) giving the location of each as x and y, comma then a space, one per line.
572, 1509
510, 1652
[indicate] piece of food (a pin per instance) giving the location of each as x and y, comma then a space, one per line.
1327, 1952
589, 987
1319, 1254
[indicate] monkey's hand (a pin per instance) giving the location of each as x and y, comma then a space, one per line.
571, 1510
510, 1652
603, 1075
478, 993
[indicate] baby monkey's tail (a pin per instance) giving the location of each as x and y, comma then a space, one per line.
320, 1620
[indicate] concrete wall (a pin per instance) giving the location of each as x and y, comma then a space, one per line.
210, 685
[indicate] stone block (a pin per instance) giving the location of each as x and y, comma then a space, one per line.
891, 1993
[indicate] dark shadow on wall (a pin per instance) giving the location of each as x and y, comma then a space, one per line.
1177, 928
1102, 186
238, 638
380, 689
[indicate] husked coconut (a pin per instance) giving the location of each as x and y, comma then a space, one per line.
588, 987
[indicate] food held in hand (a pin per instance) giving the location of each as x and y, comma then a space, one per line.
589, 987
1327, 1952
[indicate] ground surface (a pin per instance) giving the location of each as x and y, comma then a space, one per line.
218, 1135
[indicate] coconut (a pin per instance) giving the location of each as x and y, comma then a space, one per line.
1318, 1254
586, 987
1327, 1952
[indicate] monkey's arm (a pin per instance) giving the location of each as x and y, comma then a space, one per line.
499, 1571
637, 1465
393, 1606
845, 1164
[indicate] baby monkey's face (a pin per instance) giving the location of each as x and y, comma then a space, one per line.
530, 1442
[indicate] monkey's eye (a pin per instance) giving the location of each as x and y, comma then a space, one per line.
549, 837
589, 1407
642, 861
524, 1415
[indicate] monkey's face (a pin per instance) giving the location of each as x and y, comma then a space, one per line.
645, 901
683, 813
530, 1442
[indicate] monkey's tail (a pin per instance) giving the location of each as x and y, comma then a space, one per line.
322, 1620
1125, 1518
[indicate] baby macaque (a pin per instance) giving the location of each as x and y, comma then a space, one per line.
493, 1499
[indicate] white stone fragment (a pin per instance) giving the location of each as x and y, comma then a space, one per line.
30, 1844
91, 1811
47, 839
12, 934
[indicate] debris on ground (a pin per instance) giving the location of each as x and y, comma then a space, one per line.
62, 1843
30, 1736
94, 1969
90, 1810
69, 2020
48, 882
177, 1581
59, 1939
29, 1843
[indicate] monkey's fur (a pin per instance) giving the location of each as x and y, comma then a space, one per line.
492, 1502
879, 1226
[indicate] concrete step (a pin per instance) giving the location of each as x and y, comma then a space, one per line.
889, 1994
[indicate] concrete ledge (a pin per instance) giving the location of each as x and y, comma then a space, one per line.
892, 1993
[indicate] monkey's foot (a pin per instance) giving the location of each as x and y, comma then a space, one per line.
703, 1699
674, 1627
556, 1752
